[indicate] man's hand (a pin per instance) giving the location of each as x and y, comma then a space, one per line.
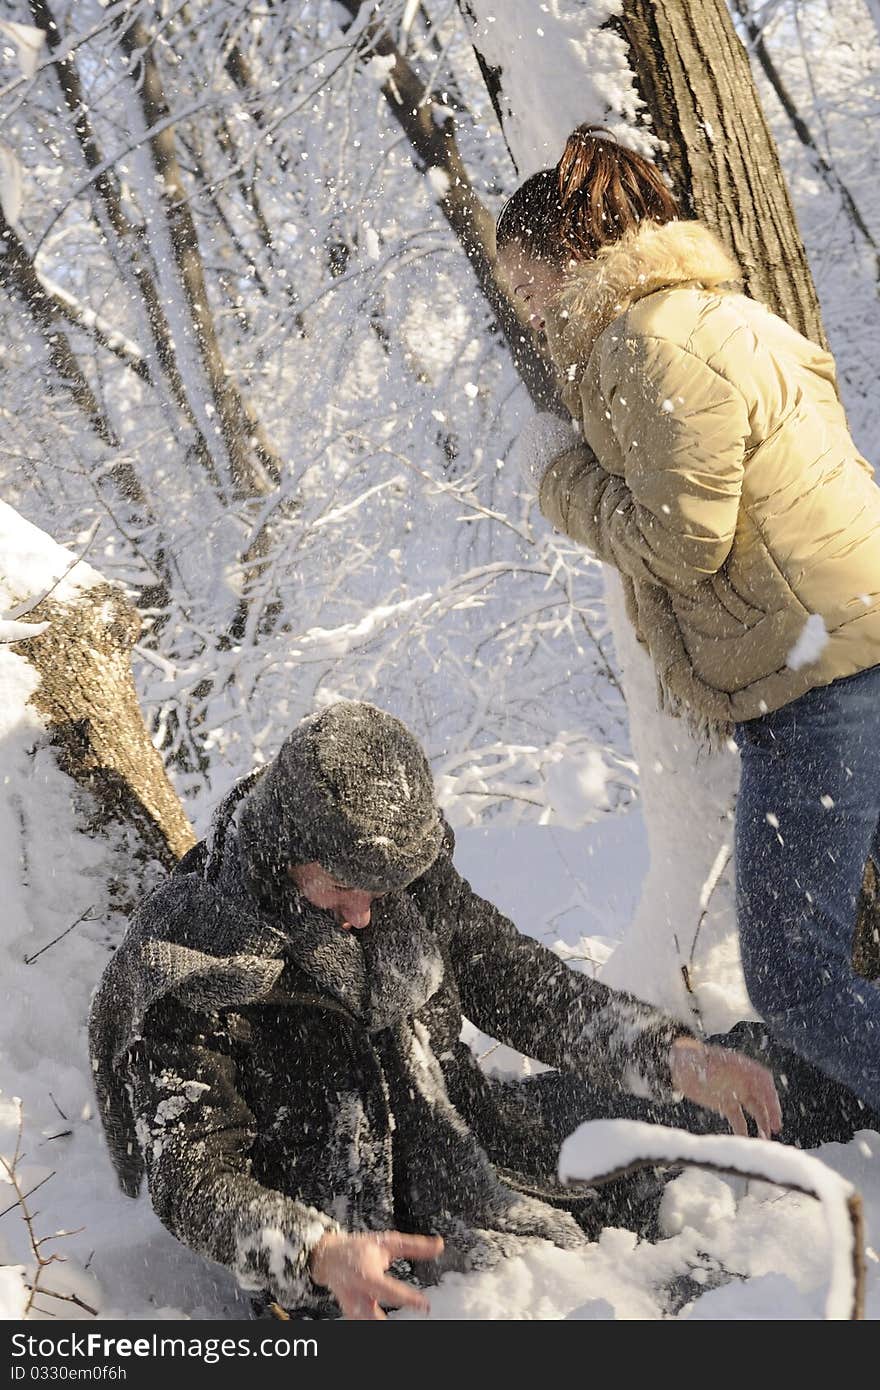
354, 1269
727, 1082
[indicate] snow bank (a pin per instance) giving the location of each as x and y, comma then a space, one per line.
605, 1147
570, 888
33, 564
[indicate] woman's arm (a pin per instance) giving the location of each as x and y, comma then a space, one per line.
682, 431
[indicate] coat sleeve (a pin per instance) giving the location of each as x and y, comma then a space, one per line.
682, 430
523, 994
196, 1134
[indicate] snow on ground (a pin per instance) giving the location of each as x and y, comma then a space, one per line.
727, 1253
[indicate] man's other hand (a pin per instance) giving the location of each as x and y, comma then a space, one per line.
728, 1083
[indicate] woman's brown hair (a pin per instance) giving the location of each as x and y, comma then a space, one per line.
598, 191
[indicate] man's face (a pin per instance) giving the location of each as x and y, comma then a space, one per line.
350, 906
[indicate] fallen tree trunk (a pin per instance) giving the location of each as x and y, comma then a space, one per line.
82, 630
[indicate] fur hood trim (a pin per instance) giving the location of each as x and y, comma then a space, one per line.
648, 259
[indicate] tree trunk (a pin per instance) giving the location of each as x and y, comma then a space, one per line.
694, 76
694, 84
84, 696
253, 465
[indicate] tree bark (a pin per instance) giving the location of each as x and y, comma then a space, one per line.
86, 699
694, 76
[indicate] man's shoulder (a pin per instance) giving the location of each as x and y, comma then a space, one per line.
194, 861
179, 903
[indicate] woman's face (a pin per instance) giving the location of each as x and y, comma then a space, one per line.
533, 282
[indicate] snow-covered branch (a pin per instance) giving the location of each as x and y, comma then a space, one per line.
605, 1149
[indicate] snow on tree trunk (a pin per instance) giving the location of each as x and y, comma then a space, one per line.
604, 61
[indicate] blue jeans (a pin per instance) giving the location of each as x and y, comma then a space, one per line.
807, 818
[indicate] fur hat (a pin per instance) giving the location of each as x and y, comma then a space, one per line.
350, 789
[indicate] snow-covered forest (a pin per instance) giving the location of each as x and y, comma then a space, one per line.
258, 376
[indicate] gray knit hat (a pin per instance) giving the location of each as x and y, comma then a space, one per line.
351, 789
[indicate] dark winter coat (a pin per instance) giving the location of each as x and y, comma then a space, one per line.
246, 1058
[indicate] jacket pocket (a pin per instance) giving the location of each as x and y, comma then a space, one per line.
743, 610
715, 612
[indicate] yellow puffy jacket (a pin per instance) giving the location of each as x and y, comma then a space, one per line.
718, 475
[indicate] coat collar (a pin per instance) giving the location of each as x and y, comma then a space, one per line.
650, 258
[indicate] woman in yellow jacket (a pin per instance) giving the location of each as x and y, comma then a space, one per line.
713, 466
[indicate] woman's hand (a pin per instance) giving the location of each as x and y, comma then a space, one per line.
541, 440
728, 1083
354, 1269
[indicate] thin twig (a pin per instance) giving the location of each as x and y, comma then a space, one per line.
59, 1235
36, 1242
29, 1193
716, 873
64, 1298
57, 1106
29, 960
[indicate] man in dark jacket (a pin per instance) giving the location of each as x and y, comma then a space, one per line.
276, 1043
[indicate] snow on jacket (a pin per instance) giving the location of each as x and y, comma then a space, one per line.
718, 475
277, 1077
